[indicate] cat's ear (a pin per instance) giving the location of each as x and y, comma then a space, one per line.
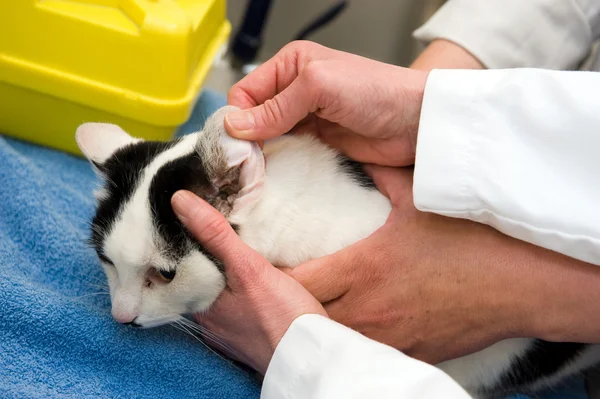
236, 166
250, 160
98, 141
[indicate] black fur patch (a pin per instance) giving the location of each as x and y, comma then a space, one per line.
185, 173
123, 171
357, 172
542, 359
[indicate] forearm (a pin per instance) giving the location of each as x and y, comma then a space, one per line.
569, 311
444, 54
547, 295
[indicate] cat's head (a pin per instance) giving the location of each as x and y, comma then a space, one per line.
156, 271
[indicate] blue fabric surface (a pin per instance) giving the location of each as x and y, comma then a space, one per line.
57, 337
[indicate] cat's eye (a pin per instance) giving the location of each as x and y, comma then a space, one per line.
166, 275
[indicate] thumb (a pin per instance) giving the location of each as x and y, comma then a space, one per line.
326, 278
211, 229
275, 116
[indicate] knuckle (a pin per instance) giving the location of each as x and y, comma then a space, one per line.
321, 84
300, 45
292, 47
315, 73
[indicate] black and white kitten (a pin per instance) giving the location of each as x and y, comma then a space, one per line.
295, 200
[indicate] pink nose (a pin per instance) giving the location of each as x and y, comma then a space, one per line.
131, 323
124, 317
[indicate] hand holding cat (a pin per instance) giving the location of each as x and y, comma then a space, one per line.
261, 302
367, 109
437, 288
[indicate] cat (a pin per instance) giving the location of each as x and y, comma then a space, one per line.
292, 201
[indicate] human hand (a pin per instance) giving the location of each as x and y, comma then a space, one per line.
367, 109
260, 302
438, 288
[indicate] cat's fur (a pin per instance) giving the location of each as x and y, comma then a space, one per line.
306, 202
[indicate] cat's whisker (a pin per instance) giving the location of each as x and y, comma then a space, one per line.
177, 324
104, 287
79, 298
217, 342
82, 220
90, 294
99, 280
206, 333
201, 329
183, 329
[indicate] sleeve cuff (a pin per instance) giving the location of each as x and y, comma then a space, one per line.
302, 354
446, 154
319, 358
513, 149
294, 357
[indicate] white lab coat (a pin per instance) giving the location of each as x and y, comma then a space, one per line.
516, 149
549, 34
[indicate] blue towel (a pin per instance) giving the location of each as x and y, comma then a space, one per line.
57, 337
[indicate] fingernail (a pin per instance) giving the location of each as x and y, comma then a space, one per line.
240, 120
184, 205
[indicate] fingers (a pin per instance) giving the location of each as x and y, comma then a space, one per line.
394, 183
274, 75
275, 116
265, 81
352, 145
388, 152
340, 309
211, 229
326, 278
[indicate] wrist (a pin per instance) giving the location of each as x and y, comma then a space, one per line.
444, 54
412, 88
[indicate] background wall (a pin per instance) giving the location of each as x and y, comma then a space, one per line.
379, 29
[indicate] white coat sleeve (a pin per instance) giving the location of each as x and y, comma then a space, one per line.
551, 34
515, 149
318, 358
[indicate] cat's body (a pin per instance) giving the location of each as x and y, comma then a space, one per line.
306, 229
305, 203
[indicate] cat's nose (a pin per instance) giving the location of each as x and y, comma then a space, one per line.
126, 318
132, 323
123, 313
